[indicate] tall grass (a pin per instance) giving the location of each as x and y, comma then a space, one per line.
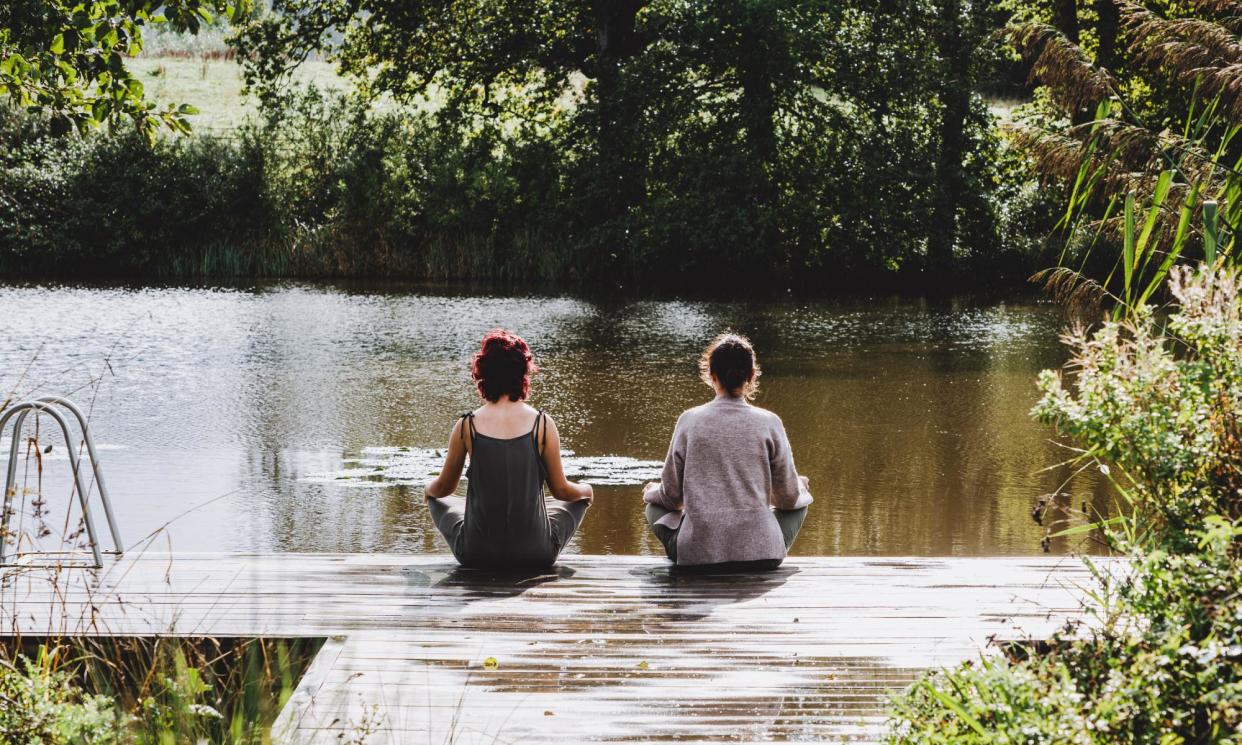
1182, 213
148, 689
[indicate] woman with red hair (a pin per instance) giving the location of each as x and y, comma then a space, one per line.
504, 520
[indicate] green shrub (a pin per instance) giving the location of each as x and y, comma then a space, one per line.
111, 204
1160, 405
40, 704
327, 185
1163, 667
1154, 404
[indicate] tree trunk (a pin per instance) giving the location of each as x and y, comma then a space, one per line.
758, 97
1109, 18
758, 118
616, 41
956, 48
1065, 18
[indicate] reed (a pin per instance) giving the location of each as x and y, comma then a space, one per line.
1154, 175
1155, 223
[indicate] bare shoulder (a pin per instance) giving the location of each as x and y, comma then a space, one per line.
547, 431
457, 432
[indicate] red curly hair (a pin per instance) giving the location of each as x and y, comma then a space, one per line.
503, 366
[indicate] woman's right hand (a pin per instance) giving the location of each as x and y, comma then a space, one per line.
588, 493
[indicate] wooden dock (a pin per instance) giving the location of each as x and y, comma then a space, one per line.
601, 649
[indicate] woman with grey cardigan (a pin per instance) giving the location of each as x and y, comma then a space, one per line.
729, 493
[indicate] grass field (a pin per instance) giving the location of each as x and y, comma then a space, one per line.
214, 87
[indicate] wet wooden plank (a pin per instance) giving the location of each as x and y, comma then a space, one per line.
605, 648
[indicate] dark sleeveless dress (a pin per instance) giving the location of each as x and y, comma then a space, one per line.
505, 520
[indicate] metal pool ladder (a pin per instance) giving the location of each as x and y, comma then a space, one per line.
52, 405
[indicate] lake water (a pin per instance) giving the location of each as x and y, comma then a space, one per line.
296, 417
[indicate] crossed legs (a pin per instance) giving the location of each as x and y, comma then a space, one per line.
789, 520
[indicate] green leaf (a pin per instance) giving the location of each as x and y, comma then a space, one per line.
58, 45
1128, 250
101, 109
1175, 250
957, 708
1079, 529
1210, 235
1158, 197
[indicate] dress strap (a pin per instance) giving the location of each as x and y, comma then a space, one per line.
539, 420
467, 423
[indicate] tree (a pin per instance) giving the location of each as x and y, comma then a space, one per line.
962, 30
690, 136
67, 58
474, 54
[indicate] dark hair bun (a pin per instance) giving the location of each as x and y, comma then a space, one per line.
731, 358
732, 363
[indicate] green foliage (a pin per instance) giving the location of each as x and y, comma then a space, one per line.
787, 141
326, 185
41, 705
649, 141
148, 691
1156, 405
1160, 406
328, 188
1164, 668
1142, 133
67, 58
393, 193
108, 204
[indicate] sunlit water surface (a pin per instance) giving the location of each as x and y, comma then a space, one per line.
301, 417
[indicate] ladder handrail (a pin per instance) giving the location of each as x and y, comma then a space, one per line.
47, 406
105, 497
